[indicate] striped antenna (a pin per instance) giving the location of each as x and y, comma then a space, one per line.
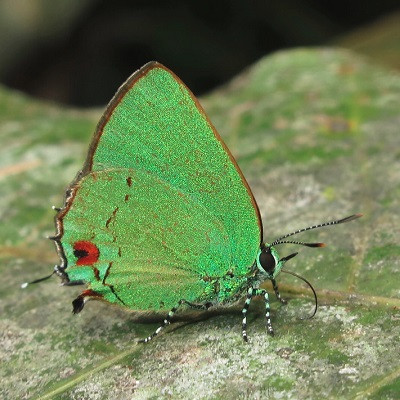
301, 243
339, 221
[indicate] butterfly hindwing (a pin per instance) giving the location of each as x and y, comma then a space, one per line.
133, 236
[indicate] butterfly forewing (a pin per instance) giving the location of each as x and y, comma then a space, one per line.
155, 124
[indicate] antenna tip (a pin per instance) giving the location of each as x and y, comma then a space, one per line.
321, 245
349, 218
24, 285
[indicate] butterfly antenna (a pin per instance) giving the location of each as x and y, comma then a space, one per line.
335, 222
311, 287
300, 243
24, 285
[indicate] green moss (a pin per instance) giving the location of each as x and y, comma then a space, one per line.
329, 193
278, 383
381, 274
369, 317
272, 158
390, 391
101, 347
380, 253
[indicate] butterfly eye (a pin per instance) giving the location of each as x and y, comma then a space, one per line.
86, 252
267, 260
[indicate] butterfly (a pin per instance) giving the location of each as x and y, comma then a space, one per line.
160, 216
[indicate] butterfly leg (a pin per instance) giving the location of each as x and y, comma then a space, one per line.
244, 313
167, 319
267, 312
204, 306
278, 295
250, 294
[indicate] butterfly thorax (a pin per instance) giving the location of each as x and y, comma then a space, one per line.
228, 287
232, 288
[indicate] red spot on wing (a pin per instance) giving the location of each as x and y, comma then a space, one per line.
86, 252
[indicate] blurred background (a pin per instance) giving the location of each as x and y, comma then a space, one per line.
79, 52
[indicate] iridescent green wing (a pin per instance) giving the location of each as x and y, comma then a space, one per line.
140, 242
155, 124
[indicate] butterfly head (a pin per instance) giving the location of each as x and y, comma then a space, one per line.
268, 261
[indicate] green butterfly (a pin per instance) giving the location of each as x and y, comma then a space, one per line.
161, 215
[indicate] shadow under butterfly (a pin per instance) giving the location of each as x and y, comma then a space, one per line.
161, 216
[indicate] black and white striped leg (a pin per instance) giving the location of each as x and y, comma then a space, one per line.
244, 313
278, 295
267, 311
167, 319
165, 323
250, 294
